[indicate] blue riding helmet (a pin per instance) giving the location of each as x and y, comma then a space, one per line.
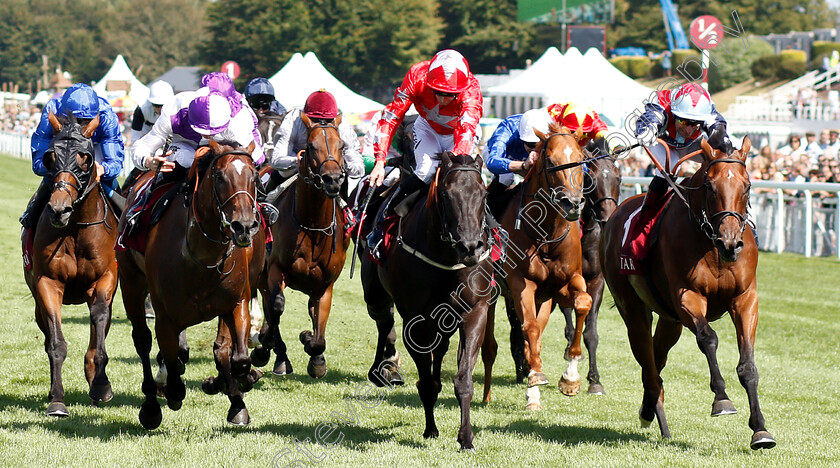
81, 100
259, 86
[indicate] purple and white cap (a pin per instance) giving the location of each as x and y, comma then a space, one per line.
209, 114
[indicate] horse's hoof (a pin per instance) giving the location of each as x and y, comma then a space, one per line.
467, 448
537, 378
762, 440
210, 386
57, 409
260, 356
174, 405
533, 406
238, 417
596, 389
430, 433
569, 388
150, 415
282, 367
101, 393
723, 407
644, 423
317, 367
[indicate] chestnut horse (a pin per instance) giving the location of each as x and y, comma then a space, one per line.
601, 189
543, 263
202, 261
73, 257
702, 267
309, 248
438, 274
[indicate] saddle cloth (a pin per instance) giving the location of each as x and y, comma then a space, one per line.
139, 217
639, 237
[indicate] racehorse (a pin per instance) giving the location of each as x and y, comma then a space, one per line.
702, 266
543, 263
202, 261
601, 192
267, 124
73, 257
438, 274
309, 247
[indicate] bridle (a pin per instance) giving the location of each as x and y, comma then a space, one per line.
593, 204
316, 178
446, 232
704, 220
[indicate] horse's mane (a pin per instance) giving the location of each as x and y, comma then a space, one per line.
202, 163
462, 159
597, 147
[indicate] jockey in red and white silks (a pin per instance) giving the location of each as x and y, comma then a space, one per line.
448, 98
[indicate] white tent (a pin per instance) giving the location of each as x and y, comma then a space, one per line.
118, 76
304, 74
589, 79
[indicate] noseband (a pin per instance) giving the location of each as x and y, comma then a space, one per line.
556, 194
316, 179
224, 224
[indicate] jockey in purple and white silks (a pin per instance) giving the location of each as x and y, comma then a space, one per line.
82, 102
239, 106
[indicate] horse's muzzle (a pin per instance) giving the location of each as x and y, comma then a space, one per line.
242, 234
469, 252
729, 249
60, 215
571, 207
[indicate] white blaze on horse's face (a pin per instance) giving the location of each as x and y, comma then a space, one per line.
568, 151
731, 175
238, 165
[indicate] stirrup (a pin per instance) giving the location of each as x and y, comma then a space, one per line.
270, 213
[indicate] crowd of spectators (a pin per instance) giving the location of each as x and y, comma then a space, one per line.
19, 119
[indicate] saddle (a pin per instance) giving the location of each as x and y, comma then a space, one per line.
640, 236
149, 206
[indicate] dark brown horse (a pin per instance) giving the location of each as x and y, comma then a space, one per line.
438, 274
309, 248
73, 257
202, 261
543, 264
601, 192
702, 267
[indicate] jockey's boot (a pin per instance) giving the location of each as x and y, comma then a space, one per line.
408, 186
269, 212
656, 190
29, 218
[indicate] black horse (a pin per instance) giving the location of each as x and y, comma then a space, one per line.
438, 274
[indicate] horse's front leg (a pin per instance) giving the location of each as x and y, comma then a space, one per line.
96, 358
569, 383
533, 317
315, 344
48, 316
489, 350
380, 307
595, 288
227, 357
472, 337
745, 317
694, 306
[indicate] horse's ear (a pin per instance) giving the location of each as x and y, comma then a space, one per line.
337, 121
708, 152
54, 123
479, 162
746, 144
91, 127
306, 120
540, 135
250, 149
446, 159
214, 145
578, 134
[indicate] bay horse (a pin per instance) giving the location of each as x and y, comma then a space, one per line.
202, 261
438, 274
309, 248
544, 260
601, 190
73, 257
702, 266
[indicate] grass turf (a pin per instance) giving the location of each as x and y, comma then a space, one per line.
797, 355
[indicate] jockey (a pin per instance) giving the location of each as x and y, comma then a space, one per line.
145, 115
574, 116
290, 138
81, 101
681, 118
191, 119
511, 149
448, 98
395, 151
260, 96
240, 111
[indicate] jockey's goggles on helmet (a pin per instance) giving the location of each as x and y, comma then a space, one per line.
689, 123
260, 102
442, 94
530, 145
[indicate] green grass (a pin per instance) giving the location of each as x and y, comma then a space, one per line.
797, 355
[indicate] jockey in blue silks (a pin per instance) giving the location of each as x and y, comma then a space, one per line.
260, 96
81, 101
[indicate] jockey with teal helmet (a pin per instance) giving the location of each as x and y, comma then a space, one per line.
82, 102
